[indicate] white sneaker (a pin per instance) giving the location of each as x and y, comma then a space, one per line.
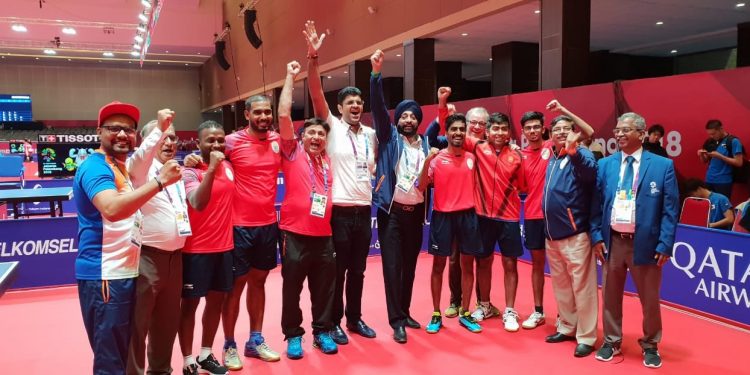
534, 320
510, 319
478, 314
231, 359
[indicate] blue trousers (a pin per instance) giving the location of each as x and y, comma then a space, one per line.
107, 310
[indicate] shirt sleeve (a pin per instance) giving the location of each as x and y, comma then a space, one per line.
724, 205
736, 147
192, 180
96, 177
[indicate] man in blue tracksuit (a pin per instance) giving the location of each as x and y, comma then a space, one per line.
401, 206
567, 200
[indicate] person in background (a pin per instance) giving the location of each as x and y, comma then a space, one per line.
721, 215
652, 143
722, 152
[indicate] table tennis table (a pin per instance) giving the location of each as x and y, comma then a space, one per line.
51, 195
8, 273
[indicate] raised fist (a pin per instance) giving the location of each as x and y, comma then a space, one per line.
377, 60
293, 68
164, 118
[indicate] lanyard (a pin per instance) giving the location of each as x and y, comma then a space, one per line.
116, 166
633, 187
312, 174
354, 147
406, 156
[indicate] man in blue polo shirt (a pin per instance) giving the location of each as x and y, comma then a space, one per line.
722, 152
110, 230
721, 215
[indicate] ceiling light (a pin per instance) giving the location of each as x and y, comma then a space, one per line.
199, 53
141, 27
50, 52
740, 5
158, 63
36, 58
69, 30
70, 60
329, 77
135, 53
464, 34
137, 46
345, 72
186, 64
659, 23
138, 38
146, 4
143, 17
673, 51
537, 11
17, 27
398, 55
166, 51
108, 54
490, 58
2, 57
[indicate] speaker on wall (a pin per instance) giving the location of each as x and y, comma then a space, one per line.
219, 47
251, 16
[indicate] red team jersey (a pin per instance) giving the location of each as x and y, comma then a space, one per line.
453, 179
499, 178
295, 210
535, 168
256, 164
212, 227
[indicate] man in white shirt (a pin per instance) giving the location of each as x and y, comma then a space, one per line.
352, 148
159, 284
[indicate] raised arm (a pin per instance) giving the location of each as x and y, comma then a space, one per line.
380, 117
320, 106
115, 206
139, 163
586, 129
286, 127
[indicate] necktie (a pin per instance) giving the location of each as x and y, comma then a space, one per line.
627, 177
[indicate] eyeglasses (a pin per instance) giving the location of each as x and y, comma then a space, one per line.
617, 131
533, 127
172, 138
561, 129
117, 129
475, 123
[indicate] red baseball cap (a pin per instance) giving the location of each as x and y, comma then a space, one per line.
117, 108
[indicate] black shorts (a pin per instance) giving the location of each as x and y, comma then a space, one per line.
533, 234
204, 272
255, 247
461, 227
507, 234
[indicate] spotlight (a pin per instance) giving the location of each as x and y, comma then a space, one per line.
135, 53
19, 28
138, 38
141, 28
146, 4
137, 46
50, 52
143, 17
108, 54
69, 30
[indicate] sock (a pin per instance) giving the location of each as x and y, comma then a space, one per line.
229, 343
486, 305
539, 309
436, 313
509, 309
189, 360
256, 337
205, 352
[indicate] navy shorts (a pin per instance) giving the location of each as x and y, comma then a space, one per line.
507, 234
255, 247
204, 272
533, 234
461, 227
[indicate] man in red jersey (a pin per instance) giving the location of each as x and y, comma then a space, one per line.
535, 158
207, 257
454, 221
307, 244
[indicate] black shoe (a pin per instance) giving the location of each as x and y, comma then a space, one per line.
399, 335
607, 352
411, 323
212, 366
191, 369
339, 336
361, 328
651, 358
583, 350
558, 337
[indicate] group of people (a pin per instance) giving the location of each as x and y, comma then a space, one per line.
154, 235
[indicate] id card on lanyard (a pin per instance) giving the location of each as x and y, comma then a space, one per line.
180, 209
361, 170
624, 205
136, 232
407, 178
318, 201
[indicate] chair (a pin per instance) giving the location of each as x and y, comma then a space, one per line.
11, 172
695, 211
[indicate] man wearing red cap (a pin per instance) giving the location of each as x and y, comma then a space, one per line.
109, 230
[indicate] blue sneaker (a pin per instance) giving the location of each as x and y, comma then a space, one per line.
435, 323
469, 323
294, 347
259, 349
325, 343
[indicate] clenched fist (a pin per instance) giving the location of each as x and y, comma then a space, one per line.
377, 61
443, 94
164, 118
215, 160
170, 173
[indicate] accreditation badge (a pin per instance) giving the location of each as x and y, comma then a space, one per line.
136, 233
362, 171
406, 181
183, 224
624, 208
318, 207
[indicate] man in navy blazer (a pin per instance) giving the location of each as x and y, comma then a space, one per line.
633, 226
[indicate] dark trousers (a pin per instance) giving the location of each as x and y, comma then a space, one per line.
352, 232
107, 309
723, 189
312, 258
400, 236
157, 311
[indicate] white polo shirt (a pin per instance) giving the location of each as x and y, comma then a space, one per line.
348, 152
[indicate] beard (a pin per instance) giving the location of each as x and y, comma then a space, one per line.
258, 129
410, 133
